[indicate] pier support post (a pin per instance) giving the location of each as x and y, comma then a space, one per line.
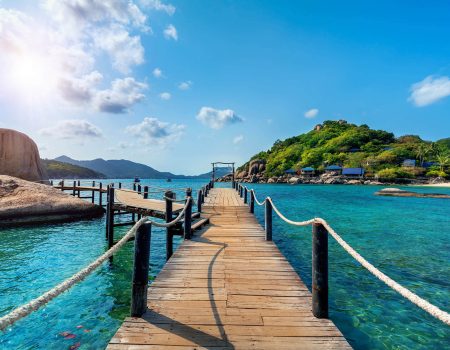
140, 270
252, 202
205, 191
199, 201
110, 218
133, 215
93, 192
62, 185
145, 192
169, 235
79, 191
319, 271
188, 215
74, 189
100, 194
245, 195
268, 220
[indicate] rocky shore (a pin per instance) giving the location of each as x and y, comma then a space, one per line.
255, 173
396, 192
23, 202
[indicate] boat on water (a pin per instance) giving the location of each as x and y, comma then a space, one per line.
137, 179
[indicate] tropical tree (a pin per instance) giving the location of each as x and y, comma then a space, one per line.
422, 150
443, 159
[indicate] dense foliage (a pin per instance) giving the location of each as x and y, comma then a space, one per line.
61, 170
349, 145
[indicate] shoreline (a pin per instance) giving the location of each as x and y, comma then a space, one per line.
444, 185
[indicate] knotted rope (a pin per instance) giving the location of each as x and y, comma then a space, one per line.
38, 302
406, 293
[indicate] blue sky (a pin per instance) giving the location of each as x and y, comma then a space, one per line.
180, 84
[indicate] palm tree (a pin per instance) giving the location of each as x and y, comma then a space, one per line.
443, 159
421, 152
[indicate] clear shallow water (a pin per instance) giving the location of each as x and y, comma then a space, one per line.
407, 238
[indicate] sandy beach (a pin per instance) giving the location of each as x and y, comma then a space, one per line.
444, 184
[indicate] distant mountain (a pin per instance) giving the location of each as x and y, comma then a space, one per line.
120, 169
218, 173
62, 170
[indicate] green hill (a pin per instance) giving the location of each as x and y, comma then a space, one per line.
61, 170
349, 145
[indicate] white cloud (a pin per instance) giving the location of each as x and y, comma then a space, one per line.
159, 6
238, 139
171, 32
217, 119
123, 49
124, 93
154, 131
75, 128
185, 85
429, 90
312, 113
165, 96
85, 13
157, 73
78, 90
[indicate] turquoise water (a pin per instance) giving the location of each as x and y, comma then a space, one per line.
407, 238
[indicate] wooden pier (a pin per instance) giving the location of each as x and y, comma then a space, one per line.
228, 288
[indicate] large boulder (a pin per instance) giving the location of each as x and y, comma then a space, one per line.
19, 156
256, 166
25, 202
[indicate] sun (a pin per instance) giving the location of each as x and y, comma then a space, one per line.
33, 76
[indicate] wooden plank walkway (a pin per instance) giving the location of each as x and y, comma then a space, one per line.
228, 288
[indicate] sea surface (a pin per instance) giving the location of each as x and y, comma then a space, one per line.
406, 238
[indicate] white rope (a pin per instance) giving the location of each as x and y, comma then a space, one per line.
406, 293
412, 297
295, 223
38, 302
256, 200
174, 221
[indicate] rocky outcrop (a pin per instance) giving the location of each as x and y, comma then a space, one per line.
19, 156
396, 192
25, 202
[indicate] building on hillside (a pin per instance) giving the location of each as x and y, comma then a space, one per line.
333, 169
409, 163
291, 172
353, 172
308, 171
427, 165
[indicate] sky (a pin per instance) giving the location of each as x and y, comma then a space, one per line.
179, 84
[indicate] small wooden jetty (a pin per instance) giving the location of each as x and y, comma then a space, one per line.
228, 288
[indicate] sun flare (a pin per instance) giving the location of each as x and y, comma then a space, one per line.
33, 76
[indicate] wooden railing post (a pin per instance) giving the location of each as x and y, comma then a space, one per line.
110, 218
319, 271
145, 192
169, 235
245, 195
62, 185
93, 192
100, 194
140, 270
74, 190
205, 191
79, 191
268, 220
252, 201
188, 215
199, 201
203, 195
133, 215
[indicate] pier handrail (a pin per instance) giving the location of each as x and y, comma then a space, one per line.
24, 310
406, 293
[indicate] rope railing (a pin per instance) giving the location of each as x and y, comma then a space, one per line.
35, 304
406, 293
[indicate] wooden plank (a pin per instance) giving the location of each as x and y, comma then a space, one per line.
228, 288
